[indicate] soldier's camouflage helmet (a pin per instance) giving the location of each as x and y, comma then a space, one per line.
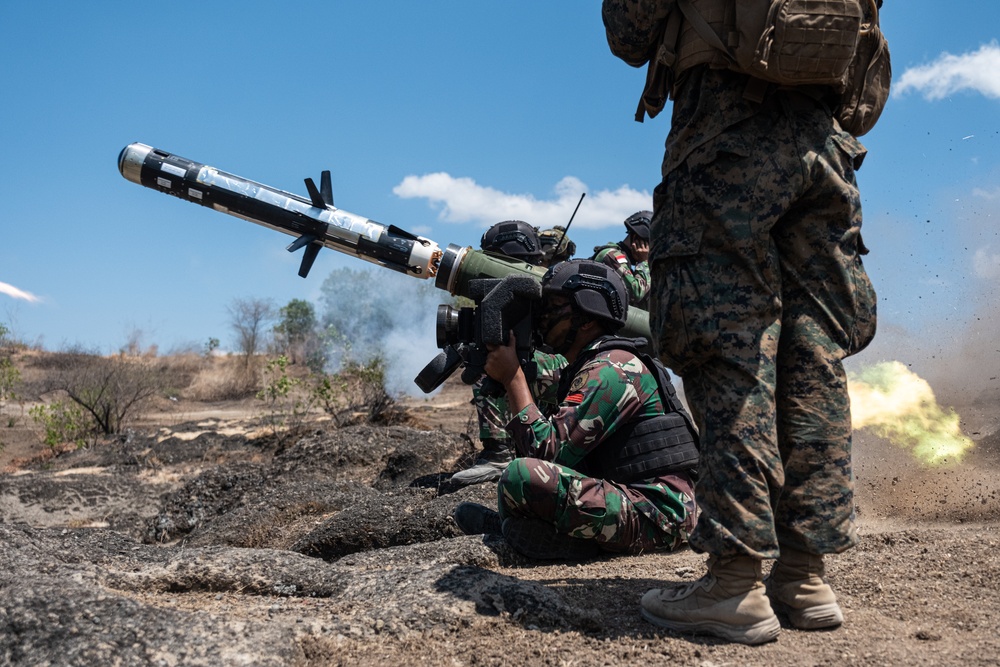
638, 224
513, 238
593, 287
556, 245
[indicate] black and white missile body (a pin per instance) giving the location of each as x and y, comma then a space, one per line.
315, 222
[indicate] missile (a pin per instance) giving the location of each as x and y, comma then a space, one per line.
316, 223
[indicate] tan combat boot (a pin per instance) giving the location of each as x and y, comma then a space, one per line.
797, 589
728, 602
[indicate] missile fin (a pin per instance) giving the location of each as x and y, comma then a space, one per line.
326, 187
300, 242
308, 258
314, 195
393, 229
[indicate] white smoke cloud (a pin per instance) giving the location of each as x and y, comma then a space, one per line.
978, 71
385, 314
463, 200
16, 293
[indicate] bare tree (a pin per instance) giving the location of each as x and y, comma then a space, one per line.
249, 319
113, 391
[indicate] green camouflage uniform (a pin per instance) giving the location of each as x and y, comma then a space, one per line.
609, 391
759, 293
493, 412
636, 277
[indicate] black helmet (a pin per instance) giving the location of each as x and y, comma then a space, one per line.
556, 245
513, 238
638, 224
593, 287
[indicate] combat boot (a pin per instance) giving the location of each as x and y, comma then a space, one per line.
797, 589
476, 519
727, 602
489, 465
539, 539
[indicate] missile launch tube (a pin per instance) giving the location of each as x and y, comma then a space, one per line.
317, 222
460, 265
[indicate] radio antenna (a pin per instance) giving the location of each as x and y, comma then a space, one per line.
565, 231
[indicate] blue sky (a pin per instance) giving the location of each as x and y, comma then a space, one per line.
514, 108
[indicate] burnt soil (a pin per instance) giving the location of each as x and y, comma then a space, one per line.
200, 538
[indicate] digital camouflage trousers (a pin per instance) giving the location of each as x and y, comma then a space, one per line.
759, 293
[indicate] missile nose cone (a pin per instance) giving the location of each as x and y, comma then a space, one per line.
130, 161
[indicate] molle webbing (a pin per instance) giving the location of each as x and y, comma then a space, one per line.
692, 49
660, 445
787, 42
648, 447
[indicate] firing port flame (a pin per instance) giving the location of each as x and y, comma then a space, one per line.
898, 405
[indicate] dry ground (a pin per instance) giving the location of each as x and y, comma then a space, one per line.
922, 587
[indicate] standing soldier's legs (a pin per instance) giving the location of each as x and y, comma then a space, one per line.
716, 313
828, 313
744, 312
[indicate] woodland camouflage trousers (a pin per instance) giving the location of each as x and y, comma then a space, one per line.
613, 515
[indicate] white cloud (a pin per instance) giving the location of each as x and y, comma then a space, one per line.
978, 71
15, 293
986, 194
986, 263
463, 200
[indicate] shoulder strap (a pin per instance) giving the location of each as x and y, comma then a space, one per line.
667, 392
660, 72
701, 26
756, 89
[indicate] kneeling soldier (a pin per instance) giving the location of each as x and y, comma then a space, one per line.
612, 469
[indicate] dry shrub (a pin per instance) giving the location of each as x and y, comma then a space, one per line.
111, 391
178, 371
224, 379
357, 394
271, 531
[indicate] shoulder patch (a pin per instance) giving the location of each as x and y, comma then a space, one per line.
579, 382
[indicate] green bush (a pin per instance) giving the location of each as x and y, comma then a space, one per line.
63, 423
285, 403
10, 379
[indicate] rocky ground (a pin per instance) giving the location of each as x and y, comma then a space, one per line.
201, 539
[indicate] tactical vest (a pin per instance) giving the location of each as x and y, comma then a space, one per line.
646, 447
